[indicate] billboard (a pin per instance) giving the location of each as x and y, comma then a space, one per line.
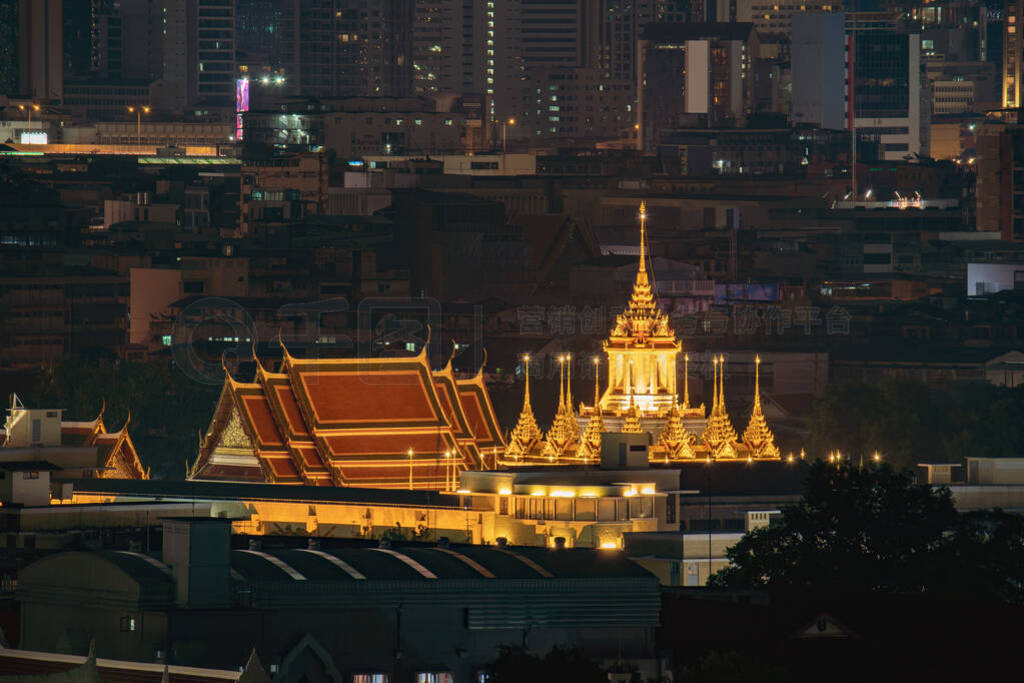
241, 104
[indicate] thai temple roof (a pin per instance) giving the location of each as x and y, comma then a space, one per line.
377, 422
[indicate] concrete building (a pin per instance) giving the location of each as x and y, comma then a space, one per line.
41, 50
818, 51
1013, 55
282, 189
198, 55
887, 86
1000, 161
693, 69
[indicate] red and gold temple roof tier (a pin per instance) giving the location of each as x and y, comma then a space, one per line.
351, 422
243, 441
284, 409
476, 404
116, 454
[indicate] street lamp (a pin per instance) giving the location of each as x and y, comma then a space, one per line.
30, 108
504, 134
139, 111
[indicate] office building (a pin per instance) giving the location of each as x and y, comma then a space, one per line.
198, 55
891, 100
694, 69
1013, 54
41, 50
347, 49
818, 48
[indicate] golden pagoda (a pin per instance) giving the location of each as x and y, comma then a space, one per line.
676, 441
525, 436
758, 436
641, 349
564, 432
631, 423
719, 436
590, 443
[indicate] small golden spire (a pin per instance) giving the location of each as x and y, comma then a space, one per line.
758, 436
561, 382
686, 381
597, 379
526, 434
643, 236
568, 380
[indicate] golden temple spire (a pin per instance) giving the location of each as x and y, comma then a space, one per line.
758, 436
676, 440
568, 380
643, 237
590, 442
719, 434
714, 390
561, 382
631, 423
686, 381
526, 434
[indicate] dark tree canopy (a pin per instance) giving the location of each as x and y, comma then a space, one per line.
873, 529
910, 422
167, 408
516, 665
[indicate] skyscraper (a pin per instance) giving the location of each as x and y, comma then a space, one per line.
1013, 54
9, 46
41, 49
885, 82
352, 48
198, 54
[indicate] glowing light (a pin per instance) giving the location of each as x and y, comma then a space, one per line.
536, 493
563, 493
629, 493
609, 545
647, 490
505, 492
463, 491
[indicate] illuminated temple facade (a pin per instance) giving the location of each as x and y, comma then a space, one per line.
641, 396
379, 423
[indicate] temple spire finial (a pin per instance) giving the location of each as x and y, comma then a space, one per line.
597, 380
686, 381
568, 380
561, 382
643, 236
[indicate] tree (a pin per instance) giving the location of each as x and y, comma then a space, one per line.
167, 408
515, 665
873, 529
909, 421
855, 529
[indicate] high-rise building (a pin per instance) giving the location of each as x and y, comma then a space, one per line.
9, 47
198, 54
818, 48
1013, 54
41, 49
887, 85
355, 48
694, 69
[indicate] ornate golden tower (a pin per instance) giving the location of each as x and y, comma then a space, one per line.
526, 435
757, 436
564, 431
676, 440
641, 349
719, 435
590, 443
